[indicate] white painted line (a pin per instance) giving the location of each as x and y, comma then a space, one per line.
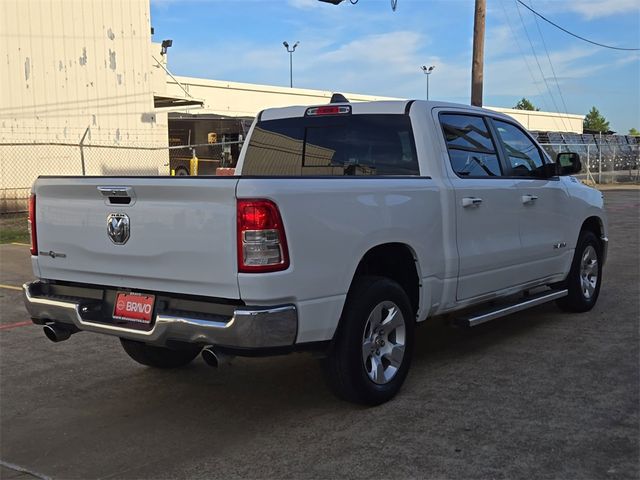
18, 468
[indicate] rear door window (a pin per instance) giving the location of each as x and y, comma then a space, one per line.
332, 146
471, 148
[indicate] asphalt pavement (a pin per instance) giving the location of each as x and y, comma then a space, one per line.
539, 394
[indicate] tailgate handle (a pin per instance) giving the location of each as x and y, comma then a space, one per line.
471, 202
117, 195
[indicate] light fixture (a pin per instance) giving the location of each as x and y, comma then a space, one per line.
165, 45
427, 71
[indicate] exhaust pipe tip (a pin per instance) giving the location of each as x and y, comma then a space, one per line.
56, 333
214, 358
210, 357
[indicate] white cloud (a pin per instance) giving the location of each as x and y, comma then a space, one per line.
384, 48
383, 64
499, 41
589, 9
511, 76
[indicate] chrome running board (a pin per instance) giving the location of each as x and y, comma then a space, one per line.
503, 310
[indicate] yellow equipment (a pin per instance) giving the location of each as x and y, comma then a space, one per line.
193, 164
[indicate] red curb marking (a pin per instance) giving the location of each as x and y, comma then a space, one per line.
14, 325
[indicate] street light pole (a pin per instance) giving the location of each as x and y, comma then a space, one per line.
290, 50
427, 71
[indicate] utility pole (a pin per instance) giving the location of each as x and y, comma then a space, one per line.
477, 74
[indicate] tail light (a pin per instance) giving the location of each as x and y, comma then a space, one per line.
262, 244
32, 224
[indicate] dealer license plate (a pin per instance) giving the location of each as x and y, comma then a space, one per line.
134, 307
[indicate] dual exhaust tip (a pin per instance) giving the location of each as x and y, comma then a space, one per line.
214, 358
57, 333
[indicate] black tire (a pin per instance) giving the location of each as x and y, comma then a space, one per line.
182, 172
578, 300
159, 357
345, 367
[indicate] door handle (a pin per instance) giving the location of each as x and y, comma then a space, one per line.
471, 202
529, 199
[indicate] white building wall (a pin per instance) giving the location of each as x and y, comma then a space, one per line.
69, 65
545, 121
247, 99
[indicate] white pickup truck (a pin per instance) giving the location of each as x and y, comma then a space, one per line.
344, 227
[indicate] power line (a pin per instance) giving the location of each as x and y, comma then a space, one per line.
541, 96
573, 34
553, 71
544, 79
542, 100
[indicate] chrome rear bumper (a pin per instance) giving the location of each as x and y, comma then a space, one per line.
248, 327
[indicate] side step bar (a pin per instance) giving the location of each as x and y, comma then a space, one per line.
503, 310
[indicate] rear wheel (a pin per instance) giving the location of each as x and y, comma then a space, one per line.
371, 353
182, 172
159, 357
585, 276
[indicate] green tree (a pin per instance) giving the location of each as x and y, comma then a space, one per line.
634, 132
595, 121
525, 104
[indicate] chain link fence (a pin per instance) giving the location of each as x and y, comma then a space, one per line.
202, 159
603, 163
21, 163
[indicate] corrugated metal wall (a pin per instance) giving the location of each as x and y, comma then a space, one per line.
69, 65
72, 64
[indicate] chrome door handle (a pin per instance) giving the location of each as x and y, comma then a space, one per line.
471, 202
528, 199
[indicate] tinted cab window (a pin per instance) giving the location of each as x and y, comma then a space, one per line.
471, 149
333, 145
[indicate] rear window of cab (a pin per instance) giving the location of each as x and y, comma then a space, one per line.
336, 145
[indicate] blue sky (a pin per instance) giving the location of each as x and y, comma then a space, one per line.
367, 48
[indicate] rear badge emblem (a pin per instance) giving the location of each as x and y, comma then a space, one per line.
118, 228
53, 254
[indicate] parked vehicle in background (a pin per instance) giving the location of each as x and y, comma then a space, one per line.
345, 226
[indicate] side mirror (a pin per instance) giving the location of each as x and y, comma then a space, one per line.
568, 163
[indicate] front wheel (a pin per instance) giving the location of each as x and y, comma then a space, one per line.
159, 357
371, 353
585, 276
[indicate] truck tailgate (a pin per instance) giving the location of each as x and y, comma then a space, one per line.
182, 233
